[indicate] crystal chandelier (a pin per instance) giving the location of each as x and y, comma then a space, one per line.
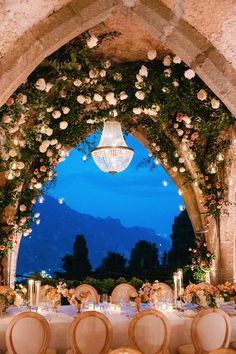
112, 154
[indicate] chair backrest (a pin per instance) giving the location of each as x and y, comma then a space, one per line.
149, 332
93, 296
210, 330
125, 351
91, 332
166, 292
122, 292
27, 332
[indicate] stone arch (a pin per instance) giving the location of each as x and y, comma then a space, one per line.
164, 23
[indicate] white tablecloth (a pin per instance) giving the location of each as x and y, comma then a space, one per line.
60, 322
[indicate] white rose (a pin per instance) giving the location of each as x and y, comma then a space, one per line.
182, 169
65, 110
48, 131
22, 119
175, 83
137, 110
53, 142
181, 160
123, 95
77, 83
103, 73
38, 185
40, 84
106, 64
90, 121
48, 86
139, 78
93, 73
9, 175
110, 97
152, 53
13, 129
20, 165
180, 132
88, 100
138, 85
174, 169
97, 97
167, 60
23, 207
189, 74
43, 148
202, 95
21, 98
12, 153
92, 41
140, 95
6, 119
49, 109
187, 119
63, 125
36, 215
176, 60
81, 99
49, 153
143, 71
215, 103
56, 114
167, 72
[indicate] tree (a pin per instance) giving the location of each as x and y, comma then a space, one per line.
183, 238
114, 264
81, 264
144, 259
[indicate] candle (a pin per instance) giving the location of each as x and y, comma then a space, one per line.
112, 307
30, 291
180, 280
90, 307
37, 290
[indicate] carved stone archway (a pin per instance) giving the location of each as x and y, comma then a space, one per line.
169, 26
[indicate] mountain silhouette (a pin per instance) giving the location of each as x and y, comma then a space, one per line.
55, 235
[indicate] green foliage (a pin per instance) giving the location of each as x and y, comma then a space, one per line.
113, 264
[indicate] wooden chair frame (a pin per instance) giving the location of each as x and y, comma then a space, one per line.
164, 347
19, 317
126, 350
116, 290
194, 336
168, 287
80, 318
90, 288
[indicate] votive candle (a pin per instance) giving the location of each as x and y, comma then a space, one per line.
37, 291
30, 291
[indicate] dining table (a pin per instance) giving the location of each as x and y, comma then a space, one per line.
60, 321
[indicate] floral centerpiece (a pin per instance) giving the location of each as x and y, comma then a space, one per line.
203, 295
202, 262
53, 296
147, 293
9, 297
77, 299
227, 291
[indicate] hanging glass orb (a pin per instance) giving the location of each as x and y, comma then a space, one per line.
220, 157
112, 154
212, 168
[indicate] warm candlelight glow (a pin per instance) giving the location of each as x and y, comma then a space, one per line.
30, 291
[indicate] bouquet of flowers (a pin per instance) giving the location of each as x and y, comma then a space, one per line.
77, 299
53, 295
148, 292
227, 291
202, 295
9, 297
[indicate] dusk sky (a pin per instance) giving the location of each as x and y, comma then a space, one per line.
136, 196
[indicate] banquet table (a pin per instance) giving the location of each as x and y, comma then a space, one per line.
59, 322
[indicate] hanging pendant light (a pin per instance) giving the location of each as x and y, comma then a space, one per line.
112, 154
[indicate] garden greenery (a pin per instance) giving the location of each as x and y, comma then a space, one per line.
72, 93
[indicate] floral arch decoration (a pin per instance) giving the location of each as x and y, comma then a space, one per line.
71, 94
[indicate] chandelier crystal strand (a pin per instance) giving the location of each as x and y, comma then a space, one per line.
112, 154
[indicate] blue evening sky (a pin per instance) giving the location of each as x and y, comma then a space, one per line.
136, 196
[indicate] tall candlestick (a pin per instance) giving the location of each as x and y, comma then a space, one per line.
175, 278
37, 290
180, 280
30, 291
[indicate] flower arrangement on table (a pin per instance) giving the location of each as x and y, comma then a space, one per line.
147, 293
77, 299
203, 295
227, 291
9, 297
202, 262
53, 295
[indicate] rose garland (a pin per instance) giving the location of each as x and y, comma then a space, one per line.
71, 94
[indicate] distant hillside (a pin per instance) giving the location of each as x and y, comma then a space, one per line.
55, 235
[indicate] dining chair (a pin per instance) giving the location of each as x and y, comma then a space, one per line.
28, 332
125, 350
93, 296
122, 292
149, 332
210, 330
233, 345
167, 292
223, 351
90, 333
